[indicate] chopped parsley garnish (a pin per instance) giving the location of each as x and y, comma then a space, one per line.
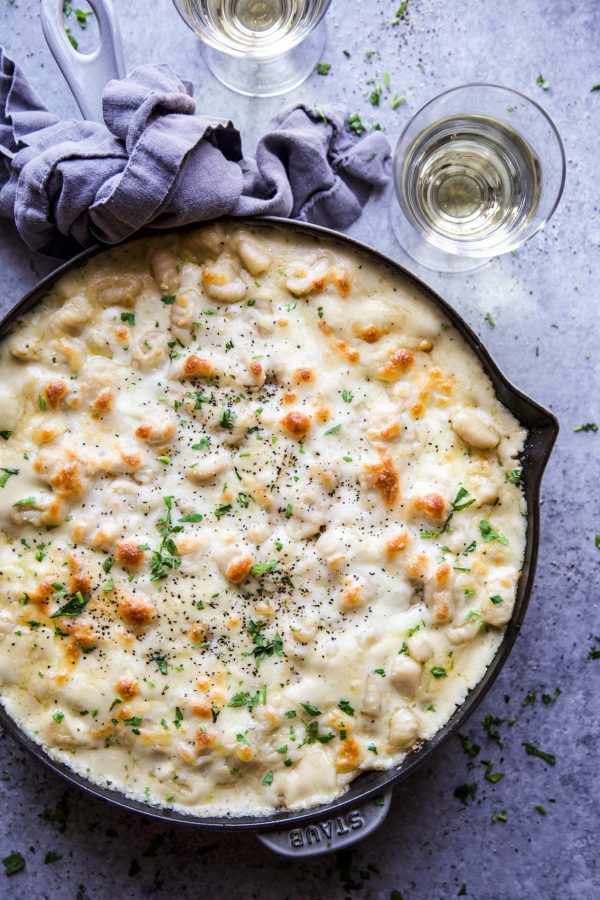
489, 534
372, 748
244, 698
108, 563
355, 124
163, 665
58, 716
344, 705
438, 672
13, 863
7, 474
227, 418
51, 857
465, 792
26, 501
264, 567
320, 312
262, 646
288, 511
548, 699
193, 517
379, 672
291, 714
500, 816
497, 599
168, 299
310, 709
514, 477
323, 68
470, 748
334, 429
5, 435
128, 317
268, 779
73, 606
532, 750
491, 776
134, 721
178, 717
490, 723
347, 396
222, 510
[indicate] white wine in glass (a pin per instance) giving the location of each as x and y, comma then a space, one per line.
258, 47
477, 171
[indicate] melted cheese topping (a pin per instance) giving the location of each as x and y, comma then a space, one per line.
260, 525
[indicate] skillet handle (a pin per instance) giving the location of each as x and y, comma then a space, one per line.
332, 834
87, 74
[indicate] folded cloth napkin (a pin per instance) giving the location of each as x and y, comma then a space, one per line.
154, 163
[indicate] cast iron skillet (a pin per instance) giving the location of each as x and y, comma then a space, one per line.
365, 804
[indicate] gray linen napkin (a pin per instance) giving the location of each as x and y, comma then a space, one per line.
156, 164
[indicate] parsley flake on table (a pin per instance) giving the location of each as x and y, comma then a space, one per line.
465, 792
490, 319
13, 863
542, 82
499, 816
589, 426
594, 652
355, 124
323, 68
532, 750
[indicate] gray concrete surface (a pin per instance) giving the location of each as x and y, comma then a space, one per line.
544, 302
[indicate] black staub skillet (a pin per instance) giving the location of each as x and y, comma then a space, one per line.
366, 802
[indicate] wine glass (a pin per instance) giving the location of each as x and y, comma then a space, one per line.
261, 48
478, 170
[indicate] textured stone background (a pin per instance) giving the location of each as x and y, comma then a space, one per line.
544, 301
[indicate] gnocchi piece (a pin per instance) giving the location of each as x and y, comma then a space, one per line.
222, 281
182, 316
72, 316
406, 676
303, 279
253, 257
208, 467
164, 268
115, 290
496, 609
158, 429
419, 647
475, 429
371, 704
150, 350
404, 728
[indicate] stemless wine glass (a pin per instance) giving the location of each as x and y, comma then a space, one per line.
477, 171
261, 48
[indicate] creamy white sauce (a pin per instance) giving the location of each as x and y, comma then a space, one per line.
325, 568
